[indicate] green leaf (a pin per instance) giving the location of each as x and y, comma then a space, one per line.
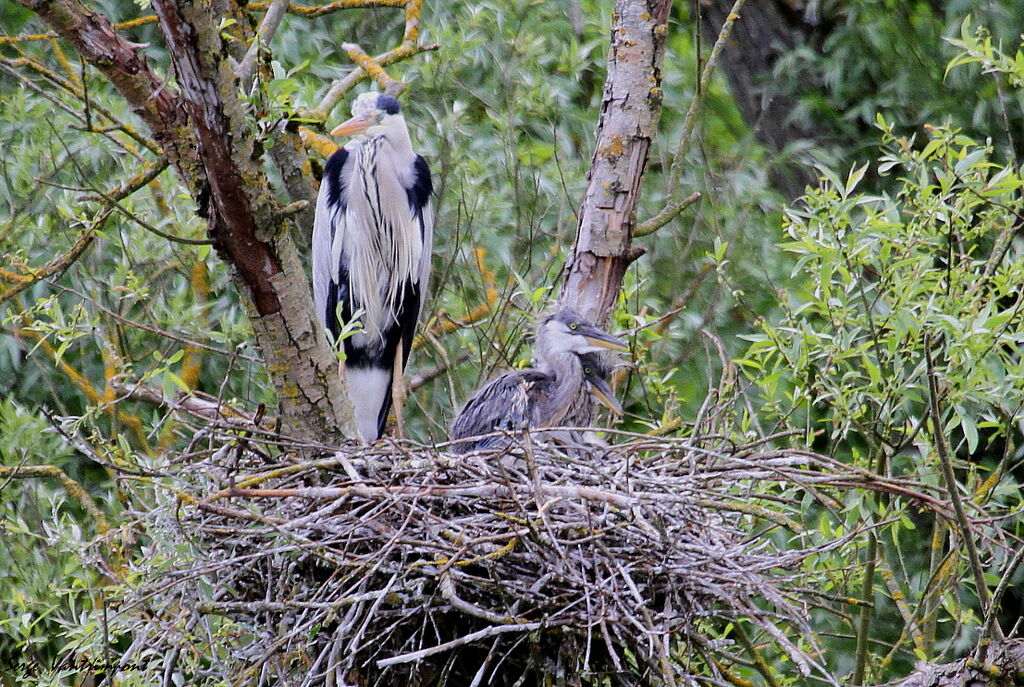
970, 430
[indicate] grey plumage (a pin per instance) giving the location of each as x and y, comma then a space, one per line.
596, 374
555, 393
372, 242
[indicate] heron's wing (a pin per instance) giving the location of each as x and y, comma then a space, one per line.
504, 403
415, 292
423, 212
330, 278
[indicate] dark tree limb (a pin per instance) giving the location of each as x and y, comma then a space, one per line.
205, 136
768, 29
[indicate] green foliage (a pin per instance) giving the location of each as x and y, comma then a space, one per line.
882, 282
46, 551
866, 56
978, 48
932, 266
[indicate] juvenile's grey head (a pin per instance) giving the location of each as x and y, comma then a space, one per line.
566, 331
596, 373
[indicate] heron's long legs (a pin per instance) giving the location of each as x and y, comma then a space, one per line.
398, 392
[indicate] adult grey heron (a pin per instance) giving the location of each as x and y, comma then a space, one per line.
567, 351
372, 241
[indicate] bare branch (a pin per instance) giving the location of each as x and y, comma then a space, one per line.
689, 123
342, 86
963, 524
374, 70
461, 641
268, 27
667, 214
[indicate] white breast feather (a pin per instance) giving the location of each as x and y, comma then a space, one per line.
380, 260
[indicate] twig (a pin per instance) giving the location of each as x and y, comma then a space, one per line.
671, 211
963, 524
447, 646
666, 215
991, 613
448, 594
159, 332
345, 84
268, 27
73, 488
690, 121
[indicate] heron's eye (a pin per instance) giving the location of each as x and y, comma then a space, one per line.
587, 371
573, 326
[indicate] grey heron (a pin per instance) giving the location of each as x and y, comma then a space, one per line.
556, 393
372, 240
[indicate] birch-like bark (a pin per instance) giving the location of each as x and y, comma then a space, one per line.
630, 108
206, 137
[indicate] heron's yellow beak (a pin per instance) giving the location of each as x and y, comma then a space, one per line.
356, 125
603, 340
604, 395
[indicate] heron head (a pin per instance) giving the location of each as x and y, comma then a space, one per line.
373, 114
567, 331
595, 374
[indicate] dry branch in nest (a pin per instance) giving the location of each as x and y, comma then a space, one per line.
401, 564
1001, 664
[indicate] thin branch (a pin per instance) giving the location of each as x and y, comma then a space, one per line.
75, 91
672, 210
112, 202
666, 215
131, 185
57, 266
409, 46
306, 11
689, 123
268, 27
160, 332
448, 594
367, 64
342, 86
461, 641
193, 403
73, 488
963, 524
997, 596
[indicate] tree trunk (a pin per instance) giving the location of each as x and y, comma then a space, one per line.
766, 30
206, 137
630, 108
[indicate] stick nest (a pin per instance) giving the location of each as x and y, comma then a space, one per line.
401, 564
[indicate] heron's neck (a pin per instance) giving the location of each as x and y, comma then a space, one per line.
568, 373
397, 136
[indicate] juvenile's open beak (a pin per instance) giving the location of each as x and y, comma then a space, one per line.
355, 125
602, 339
600, 390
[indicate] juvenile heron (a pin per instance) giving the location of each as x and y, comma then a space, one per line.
372, 240
596, 372
555, 393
